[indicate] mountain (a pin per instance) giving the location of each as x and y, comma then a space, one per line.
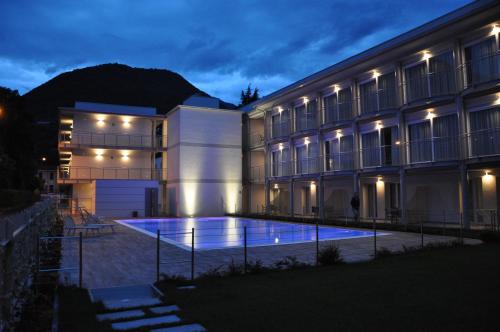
107, 83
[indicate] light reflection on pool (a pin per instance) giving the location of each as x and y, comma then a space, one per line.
228, 232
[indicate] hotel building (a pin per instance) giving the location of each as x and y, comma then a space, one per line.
122, 161
411, 125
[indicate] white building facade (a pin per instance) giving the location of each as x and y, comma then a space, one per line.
411, 125
123, 161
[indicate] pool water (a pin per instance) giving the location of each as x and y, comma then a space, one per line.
228, 232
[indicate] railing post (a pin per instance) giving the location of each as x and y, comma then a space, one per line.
317, 243
80, 268
245, 249
157, 255
192, 254
374, 238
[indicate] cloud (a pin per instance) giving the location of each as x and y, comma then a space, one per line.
220, 46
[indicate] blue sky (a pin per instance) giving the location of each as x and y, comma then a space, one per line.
219, 46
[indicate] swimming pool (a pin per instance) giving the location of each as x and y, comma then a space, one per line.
228, 232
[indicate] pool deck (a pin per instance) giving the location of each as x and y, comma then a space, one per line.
128, 257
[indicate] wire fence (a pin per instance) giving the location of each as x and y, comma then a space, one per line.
240, 249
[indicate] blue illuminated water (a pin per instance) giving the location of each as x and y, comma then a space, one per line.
228, 232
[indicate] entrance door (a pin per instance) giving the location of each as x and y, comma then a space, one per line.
151, 202
371, 194
306, 199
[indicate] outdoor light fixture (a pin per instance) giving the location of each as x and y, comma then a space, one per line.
276, 186
430, 114
126, 123
280, 109
397, 142
336, 88
378, 125
100, 122
44, 159
125, 156
280, 146
276, 240
426, 55
495, 30
339, 133
376, 74
306, 100
307, 141
98, 156
497, 101
487, 177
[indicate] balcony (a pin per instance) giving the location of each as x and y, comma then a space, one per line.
308, 165
281, 169
379, 156
111, 140
342, 161
377, 101
340, 112
481, 70
484, 143
256, 174
433, 149
280, 129
435, 84
255, 140
306, 122
85, 174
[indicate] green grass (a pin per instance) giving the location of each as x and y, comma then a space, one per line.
433, 290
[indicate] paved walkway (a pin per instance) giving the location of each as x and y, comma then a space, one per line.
128, 257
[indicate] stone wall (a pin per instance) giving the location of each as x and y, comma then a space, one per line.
18, 255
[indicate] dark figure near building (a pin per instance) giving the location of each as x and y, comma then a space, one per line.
355, 206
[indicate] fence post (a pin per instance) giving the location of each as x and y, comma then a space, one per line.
192, 254
157, 255
317, 244
374, 238
80, 272
245, 248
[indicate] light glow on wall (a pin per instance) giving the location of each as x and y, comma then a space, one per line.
336, 88
497, 101
100, 122
125, 155
190, 191
487, 177
99, 154
426, 55
495, 30
376, 74
126, 122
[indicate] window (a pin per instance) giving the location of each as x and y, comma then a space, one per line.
387, 91
482, 61
339, 153
345, 104
280, 124
445, 137
307, 158
420, 142
280, 162
306, 115
371, 149
368, 94
485, 132
430, 78
330, 104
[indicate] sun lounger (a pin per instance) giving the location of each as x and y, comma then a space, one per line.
93, 220
70, 227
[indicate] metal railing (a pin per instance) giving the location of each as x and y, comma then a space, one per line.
484, 142
256, 174
377, 101
281, 169
339, 112
95, 173
433, 84
255, 140
482, 70
308, 165
113, 140
280, 129
385, 155
340, 161
306, 122
434, 149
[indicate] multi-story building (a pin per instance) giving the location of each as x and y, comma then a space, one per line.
121, 160
411, 125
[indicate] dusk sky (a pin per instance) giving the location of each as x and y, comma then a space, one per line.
219, 46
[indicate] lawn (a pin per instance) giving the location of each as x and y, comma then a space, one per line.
435, 290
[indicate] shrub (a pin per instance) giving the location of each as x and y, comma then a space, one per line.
214, 272
330, 256
255, 266
490, 236
385, 252
289, 262
235, 269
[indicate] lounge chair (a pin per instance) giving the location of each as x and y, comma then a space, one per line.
70, 227
93, 220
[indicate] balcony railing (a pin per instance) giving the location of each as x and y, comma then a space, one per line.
385, 155
306, 122
484, 142
430, 85
255, 140
281, 169
280, 129
109, 173
481, 70
434, 149
256, 174
342, 161
308, 165
340, 112
113, 140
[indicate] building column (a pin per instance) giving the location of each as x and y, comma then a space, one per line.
464, 195
402, 198
292, 210
267, 195
402, 163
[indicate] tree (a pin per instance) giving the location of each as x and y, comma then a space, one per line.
248, 96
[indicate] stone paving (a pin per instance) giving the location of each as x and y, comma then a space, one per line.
128, 257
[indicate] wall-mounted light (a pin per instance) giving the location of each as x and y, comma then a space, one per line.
430, 114
44, 159
276, 186
306, 100
495, 30
336, 88
280, 146
397, 142
339, 133
376, 74
306, 141
99, 156
125, 156
487, 177
100, 122
280, 109
126, 122
378, 125
426, 55
497, 101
